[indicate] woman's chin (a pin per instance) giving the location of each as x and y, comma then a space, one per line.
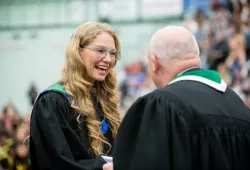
99, 78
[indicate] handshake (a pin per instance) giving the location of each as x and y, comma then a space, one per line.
109, 165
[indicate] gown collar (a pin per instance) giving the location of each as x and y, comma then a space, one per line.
208, 77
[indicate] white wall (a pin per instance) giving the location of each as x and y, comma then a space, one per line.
24, 61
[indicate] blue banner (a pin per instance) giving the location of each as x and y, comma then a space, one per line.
190, 6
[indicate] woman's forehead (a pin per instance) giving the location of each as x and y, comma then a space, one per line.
104, 40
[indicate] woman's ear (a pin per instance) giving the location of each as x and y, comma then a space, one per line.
81, 51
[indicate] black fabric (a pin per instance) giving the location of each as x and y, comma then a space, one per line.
56, 139
4, 163
185, 126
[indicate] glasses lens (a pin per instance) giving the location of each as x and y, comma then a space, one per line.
100, 52
113, 54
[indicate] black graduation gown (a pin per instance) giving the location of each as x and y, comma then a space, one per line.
185, 126
56, 141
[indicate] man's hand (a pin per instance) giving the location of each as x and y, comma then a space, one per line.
108, 166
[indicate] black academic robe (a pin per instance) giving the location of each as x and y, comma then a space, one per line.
186, 125
56, 141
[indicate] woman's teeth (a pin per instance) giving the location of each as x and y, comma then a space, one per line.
101, 68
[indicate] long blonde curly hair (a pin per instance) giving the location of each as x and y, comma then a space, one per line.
76, 85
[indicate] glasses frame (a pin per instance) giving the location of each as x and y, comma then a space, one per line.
94, 48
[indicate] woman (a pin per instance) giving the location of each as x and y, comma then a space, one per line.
75, 122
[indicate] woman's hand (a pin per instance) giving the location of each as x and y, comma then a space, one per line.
108, 166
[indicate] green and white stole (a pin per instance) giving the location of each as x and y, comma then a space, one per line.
208, 77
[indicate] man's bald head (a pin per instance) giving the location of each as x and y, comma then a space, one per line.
174, 42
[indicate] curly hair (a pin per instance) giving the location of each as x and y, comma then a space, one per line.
76, 84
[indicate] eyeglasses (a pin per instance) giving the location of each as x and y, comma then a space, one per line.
102, 52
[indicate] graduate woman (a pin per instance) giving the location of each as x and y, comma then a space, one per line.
75, 121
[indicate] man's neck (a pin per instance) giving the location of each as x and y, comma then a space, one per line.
188, 69
177, 67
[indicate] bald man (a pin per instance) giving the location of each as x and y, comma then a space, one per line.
193, 121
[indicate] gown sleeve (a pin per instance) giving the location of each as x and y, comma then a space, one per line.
153, 135
49, 148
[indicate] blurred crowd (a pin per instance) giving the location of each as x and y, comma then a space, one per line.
14, 133
224, 39
14, 130
223, 35
135, 81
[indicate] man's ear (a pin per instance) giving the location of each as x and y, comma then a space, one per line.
155, 63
